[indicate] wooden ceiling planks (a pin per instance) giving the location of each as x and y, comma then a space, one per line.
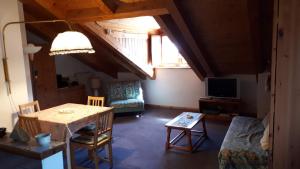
172, 31
119, 59
100, 61
106, 6
97, 10
180, 22
228, 31
218, 37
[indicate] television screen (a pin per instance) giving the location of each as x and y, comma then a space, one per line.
222, 87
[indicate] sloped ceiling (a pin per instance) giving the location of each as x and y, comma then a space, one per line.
229, 33
216, 37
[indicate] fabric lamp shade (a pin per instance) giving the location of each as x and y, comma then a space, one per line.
95, 83
70, 42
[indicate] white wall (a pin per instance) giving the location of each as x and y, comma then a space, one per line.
17, 63
263, 95
182, 88
248, 93
174, 87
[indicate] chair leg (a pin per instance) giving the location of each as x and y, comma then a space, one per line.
96, 159
72, 153
110, 154
90, 154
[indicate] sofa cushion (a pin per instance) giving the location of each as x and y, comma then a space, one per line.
241, 146
116, 92
131, 89
264, 141
127, 103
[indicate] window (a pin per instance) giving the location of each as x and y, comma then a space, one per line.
165, 54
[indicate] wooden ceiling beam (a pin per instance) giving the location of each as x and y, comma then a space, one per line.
107, 7
176, 37
118, 56
76, 4
50, 5
183, 27
123, 10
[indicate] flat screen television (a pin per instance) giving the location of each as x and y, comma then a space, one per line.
223, 88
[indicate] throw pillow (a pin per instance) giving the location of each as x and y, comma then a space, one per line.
265, 121
116, 91
129, 90
264, 141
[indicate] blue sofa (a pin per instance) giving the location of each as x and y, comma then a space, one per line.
125, 96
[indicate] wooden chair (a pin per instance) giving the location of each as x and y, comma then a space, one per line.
102, 137
29, 108
30, 124
95, 101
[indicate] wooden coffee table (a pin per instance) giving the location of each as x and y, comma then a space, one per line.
185, 122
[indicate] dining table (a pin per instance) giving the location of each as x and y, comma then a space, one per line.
64, 120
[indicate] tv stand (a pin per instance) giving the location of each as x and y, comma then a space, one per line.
226, 107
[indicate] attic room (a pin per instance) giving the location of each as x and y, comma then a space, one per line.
142, 84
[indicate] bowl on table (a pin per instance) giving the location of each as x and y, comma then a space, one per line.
43, 139
2, 131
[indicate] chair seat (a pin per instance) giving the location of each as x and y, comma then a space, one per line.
88, 128
127, 103
84, 139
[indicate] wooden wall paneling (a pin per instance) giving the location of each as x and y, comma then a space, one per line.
44, 78
286, 145
273, 82
45, 83
74, 94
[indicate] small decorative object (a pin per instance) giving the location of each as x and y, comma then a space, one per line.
188, 116
43, 139
66, 111
2, 132
18, 134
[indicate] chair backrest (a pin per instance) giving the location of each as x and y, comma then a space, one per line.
95, 101
29, 108
104, 125
30, 124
